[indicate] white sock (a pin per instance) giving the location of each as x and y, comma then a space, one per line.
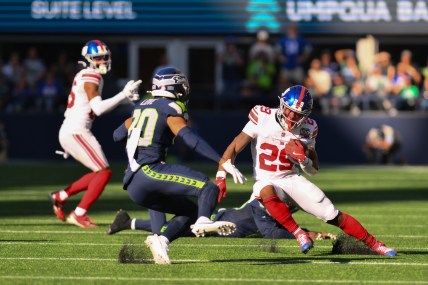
63, 195
203, 220
297, 231
80, 211
165, 239
133, 224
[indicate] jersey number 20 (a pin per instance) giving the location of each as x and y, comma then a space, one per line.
146, 122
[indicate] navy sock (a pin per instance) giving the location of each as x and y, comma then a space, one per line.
207, 200
177, 227
144, 225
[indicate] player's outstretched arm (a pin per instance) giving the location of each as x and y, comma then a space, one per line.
227, 161
235, 147
179, 128
99, 106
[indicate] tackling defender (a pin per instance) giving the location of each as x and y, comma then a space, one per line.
163, 187
250, 219
75, 136
281, 139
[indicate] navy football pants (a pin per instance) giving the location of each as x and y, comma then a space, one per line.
167, 188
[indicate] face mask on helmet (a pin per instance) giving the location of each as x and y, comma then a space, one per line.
295, 105
98, 56
170, 82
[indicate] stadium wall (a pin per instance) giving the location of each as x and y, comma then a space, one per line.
340, 139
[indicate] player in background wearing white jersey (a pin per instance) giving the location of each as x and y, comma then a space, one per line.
76, 138
282, 139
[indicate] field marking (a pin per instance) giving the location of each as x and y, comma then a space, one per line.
65, 232
17, 223
216, 280
136, 232
53, 221
208, 261
262, 244
120, 244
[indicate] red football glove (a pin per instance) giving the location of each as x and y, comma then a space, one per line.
220, 181
296, 150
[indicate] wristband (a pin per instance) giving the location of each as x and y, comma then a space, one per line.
306, 162
221, 174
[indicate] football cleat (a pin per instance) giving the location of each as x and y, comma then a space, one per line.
57, 207
159, 249
305, 242
380, 248
121, 222
80, 221
220, 228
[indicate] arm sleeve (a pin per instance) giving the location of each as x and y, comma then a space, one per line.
196, 143
120, 134
307, 167
100, 106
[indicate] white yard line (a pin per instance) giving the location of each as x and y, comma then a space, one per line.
214, 280
129, 232
382, 262
262, 243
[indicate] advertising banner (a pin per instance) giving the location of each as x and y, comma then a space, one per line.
157, 17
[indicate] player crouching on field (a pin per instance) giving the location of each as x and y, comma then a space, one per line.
157, 185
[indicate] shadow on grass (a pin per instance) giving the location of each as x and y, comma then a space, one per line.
308, 260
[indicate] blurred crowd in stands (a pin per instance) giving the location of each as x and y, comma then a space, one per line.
341, 80
27, 84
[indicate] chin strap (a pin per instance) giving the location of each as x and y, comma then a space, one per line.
84, 64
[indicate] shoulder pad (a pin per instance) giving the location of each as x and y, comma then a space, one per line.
257, 112
90, 74
309, 129
178, 106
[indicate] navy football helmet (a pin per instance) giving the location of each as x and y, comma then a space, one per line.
97, 55
298, 100
170, 82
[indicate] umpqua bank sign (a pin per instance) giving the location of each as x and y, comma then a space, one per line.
214, 16
383, 16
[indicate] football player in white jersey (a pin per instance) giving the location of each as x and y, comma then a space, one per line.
76, 138
282, 139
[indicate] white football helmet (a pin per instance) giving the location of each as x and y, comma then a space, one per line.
98, 55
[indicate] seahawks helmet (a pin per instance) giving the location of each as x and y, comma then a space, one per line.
97, 55
297, 99
170, 82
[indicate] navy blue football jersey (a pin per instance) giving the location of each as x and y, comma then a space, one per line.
151, 116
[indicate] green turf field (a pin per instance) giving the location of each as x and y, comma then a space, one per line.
36, 248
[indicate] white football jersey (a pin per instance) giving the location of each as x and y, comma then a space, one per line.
79, 115
269, 140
